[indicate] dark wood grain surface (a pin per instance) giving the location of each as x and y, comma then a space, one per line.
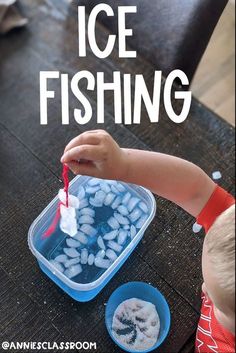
169, 257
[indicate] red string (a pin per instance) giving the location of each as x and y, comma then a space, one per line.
56, 219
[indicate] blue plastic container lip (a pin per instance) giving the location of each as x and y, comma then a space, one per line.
92, 285
154, 290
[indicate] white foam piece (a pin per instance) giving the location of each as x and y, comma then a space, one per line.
135, 215
111, 235
121, 219
133, 231
89, 230
126, 198
84, 256
113, 223
111, 255
114, 246
67, 212
61, 258
73, 201
122, 237
141, 221
81, 193
73, 271
87, 212
101, 243
123, 210
91, 259
101, 254
116, 203
72, 243
197, 228
109, 199
81, 237
132, 203
72, 262
102, 263
92, 189
85, 219
216, 175
57, 265
83, 203
143, 207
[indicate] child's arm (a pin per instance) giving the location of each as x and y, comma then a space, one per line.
170, 177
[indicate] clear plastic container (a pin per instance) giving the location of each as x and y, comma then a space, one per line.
84, 290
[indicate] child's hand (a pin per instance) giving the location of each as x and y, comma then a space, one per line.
95, 153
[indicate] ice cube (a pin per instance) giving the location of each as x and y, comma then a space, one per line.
71, 252
101, 243
111, 255
141, 221
87, 212
123, 210
94, 182
114, 246
105, 187
111, 235
83, 203
73, 271
57, 265
92, 189
120, 187
135, 215
197, 228
95, 203
84, 256
68, 225
81, 237
121, 219
86, 219
216, 175
143, 207
114, 189
123, 234
133, 231
117, 202
113, 223
126, 198
81, 193
132, 203
73, 201
72, 262
101, 263
100, 196
101, 254
109, 199
61, 258
72, 243
91, 259
89, 230
126, 227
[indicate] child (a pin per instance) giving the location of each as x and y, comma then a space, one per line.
95, 153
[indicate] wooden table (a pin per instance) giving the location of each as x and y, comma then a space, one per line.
32, 308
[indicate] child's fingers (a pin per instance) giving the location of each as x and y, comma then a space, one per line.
88, 138
83, 168
86, 152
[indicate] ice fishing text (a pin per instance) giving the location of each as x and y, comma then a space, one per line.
129, 92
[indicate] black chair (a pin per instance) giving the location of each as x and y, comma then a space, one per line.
169, 33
